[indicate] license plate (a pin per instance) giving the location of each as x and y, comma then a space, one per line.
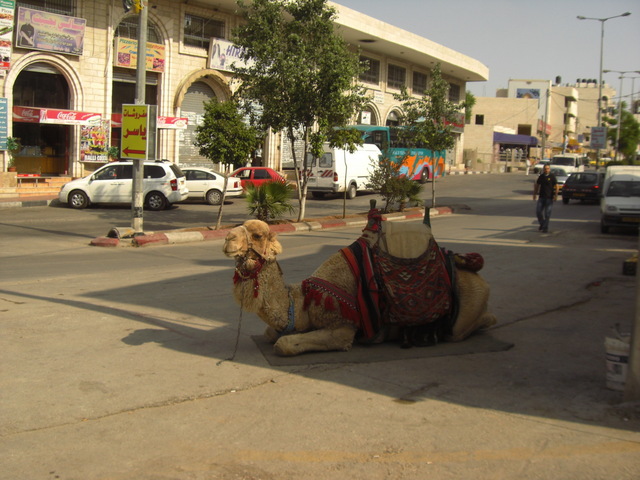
631, 219
578, 194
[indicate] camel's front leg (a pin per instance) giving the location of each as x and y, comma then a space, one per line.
340, 338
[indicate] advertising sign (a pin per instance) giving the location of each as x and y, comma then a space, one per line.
93, 142
26, 114
68, 117
7, 7
4, 122
127, 55
138, 138
223, 54
598, 137
50, 32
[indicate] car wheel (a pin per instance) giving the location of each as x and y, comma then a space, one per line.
156, 201
78, 199
424, 176
214, 197
565, 200
604, 228
352, 191
317, 194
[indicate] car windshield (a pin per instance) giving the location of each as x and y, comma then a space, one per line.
558, 172
586, 178
563, 161
624, 189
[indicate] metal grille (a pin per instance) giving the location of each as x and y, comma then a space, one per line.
61, 7
128, 28
198, 31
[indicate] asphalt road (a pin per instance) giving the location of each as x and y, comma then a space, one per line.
116, 362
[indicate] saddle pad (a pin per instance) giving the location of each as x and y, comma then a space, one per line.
417, 291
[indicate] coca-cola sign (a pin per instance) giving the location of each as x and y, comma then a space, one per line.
26, 114
68, 117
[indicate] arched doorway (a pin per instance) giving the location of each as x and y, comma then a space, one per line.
45, 147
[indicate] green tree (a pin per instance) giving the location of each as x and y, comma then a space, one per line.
269, 200
629, 133
301, 78
469, 103
386, 180
428, 121
224, 136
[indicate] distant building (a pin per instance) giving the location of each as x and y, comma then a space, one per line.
66, 86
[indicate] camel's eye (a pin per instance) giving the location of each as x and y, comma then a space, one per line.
256, 236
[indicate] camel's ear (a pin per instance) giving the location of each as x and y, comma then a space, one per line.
274, 245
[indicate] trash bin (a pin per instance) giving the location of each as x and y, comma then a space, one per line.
617, 360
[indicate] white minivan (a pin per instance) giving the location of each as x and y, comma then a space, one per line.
163, 184
620, 202
569, 162
339, 170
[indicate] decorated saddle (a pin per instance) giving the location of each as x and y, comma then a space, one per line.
404, 280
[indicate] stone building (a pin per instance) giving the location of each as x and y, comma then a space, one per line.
70, 66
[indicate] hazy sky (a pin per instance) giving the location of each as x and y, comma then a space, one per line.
519, 39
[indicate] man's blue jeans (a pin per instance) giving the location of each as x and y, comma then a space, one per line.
543, 211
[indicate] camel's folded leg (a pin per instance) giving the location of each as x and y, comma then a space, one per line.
340, 338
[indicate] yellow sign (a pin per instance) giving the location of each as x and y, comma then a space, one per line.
127, 55
135, 130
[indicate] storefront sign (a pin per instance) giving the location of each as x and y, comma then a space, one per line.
224, 54
26, 114
69, 117
50, 32
127, 55
162, 122
4, 122
172, 122
7, 7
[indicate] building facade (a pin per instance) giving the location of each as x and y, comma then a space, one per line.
70, 67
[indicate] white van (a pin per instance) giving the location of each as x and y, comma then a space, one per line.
339, 170
620, 203
569, 162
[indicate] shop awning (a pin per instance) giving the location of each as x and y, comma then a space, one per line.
54, 116
510, 139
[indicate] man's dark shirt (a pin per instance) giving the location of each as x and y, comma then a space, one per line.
547, 185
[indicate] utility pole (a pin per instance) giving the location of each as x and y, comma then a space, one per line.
137, 202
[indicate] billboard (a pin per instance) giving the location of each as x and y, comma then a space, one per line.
50, 32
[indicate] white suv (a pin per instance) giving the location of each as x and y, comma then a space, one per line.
163, 184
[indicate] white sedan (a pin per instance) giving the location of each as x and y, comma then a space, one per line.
206, 184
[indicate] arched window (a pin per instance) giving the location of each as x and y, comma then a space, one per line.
128, 28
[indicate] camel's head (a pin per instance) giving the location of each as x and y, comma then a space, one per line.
252, 240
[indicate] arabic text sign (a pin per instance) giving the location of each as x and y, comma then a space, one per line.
4, 122
135, 125
48, 31
598, 137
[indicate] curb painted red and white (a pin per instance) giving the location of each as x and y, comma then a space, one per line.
180, 236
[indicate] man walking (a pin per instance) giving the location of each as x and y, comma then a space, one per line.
546, 188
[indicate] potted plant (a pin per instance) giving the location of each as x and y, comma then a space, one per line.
113, 153
13, 148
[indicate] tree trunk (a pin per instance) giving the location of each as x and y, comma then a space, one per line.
224, 194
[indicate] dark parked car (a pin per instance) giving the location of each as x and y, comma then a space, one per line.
583, 186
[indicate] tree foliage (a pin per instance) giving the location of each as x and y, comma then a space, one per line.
629, 133
224, 136
428, 120
395, 189
301, 78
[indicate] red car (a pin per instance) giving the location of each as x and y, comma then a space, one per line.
257, 175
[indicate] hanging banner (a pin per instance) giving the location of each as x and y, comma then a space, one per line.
68, 117
127, 55
7, 7
51, 32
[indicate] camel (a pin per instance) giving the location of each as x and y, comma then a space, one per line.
320, 314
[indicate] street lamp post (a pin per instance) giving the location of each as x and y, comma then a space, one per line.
621, 77
601, 20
